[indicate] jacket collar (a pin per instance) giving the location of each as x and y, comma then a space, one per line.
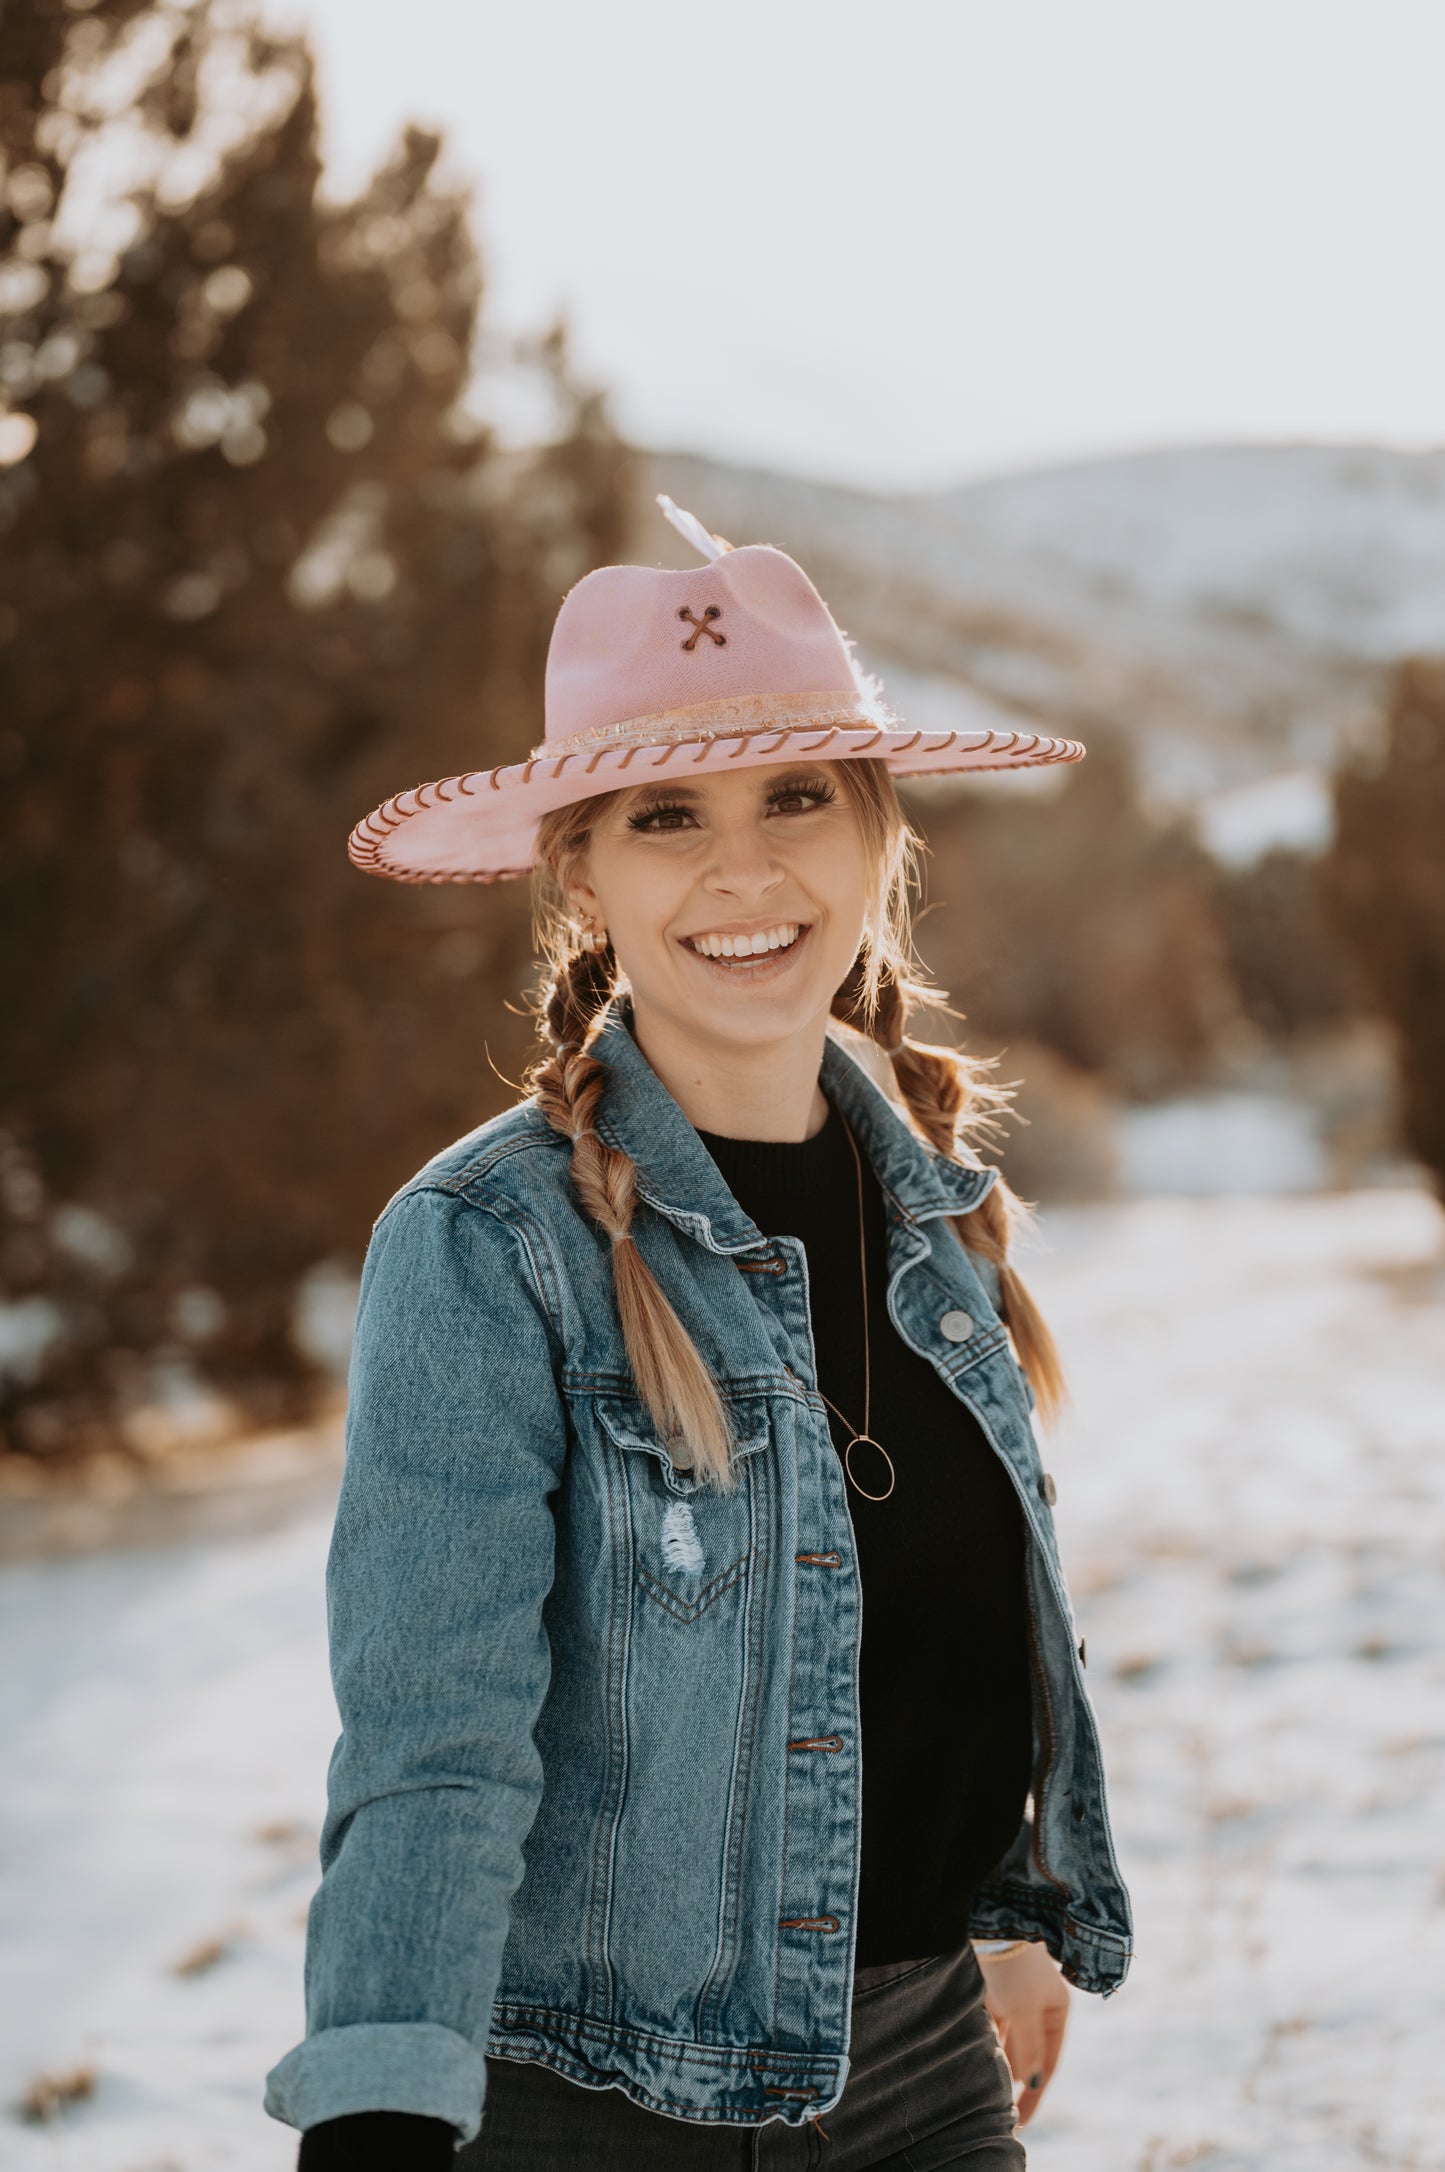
678, 1177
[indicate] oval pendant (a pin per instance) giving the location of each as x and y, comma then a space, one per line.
869, 1441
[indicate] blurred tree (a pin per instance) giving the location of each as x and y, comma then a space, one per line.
1384, 883
1285, 955
1079, 921
260, 565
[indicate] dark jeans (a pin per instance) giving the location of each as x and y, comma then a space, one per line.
927, 2087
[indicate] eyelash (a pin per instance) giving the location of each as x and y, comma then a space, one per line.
815, 788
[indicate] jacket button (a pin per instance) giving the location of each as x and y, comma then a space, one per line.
956, 1326
1083, 1651
1048, 1489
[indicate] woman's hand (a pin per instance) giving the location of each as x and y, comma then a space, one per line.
1029, 2002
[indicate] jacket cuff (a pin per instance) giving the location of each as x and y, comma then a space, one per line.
376, 2066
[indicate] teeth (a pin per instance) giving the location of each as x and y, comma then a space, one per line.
747, 946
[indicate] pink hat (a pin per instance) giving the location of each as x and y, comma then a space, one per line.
737, 661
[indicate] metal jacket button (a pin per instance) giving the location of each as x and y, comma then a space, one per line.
956, 1326
1048, 1489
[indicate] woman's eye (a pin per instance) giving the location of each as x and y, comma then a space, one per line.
652, 817
820, 793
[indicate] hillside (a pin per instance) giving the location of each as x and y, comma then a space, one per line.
1231, 609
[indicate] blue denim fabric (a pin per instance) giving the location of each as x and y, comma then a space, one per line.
564, 1821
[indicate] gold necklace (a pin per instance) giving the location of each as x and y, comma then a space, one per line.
865, 1436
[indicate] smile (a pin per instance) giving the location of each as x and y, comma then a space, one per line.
763, 950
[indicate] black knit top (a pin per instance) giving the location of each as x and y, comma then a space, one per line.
944, 1684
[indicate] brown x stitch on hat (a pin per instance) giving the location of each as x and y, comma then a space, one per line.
700, 625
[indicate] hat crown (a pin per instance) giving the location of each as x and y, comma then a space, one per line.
643, 641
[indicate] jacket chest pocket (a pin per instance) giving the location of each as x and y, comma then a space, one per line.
690, 1546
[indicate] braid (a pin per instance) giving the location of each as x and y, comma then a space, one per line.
948, 1098
672, 1379
576, 994
569, 1087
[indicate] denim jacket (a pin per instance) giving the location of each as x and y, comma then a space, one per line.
575, 1814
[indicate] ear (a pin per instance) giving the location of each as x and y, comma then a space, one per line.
582, 900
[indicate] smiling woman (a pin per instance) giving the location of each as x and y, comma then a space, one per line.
603, 1883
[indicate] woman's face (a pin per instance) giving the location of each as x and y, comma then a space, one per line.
683, 871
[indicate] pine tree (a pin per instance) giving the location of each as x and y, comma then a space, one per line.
1081, 921
1384, 884
258, 569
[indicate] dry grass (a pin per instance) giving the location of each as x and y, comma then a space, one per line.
1136, 1666
1161, 2155
284, 1833
49, 2094
207, 1953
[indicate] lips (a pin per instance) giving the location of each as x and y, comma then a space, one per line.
759, 965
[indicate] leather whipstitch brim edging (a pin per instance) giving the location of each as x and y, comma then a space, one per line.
366, 846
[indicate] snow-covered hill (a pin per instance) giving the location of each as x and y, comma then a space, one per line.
1251, 1491
1233, 609
1341, 547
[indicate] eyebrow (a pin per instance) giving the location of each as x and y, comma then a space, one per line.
694, 791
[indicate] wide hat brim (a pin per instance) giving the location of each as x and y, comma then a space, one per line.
482, 826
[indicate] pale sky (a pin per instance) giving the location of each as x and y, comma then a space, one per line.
902, 242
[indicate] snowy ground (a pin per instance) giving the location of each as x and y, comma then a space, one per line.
1250, 1503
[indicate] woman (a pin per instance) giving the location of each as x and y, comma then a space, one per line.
656, 1376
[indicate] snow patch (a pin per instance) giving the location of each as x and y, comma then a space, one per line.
91, 1239
28, 1328
1294, 810
1215, 1144
323, 1318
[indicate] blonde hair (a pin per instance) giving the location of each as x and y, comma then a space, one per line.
947, 1095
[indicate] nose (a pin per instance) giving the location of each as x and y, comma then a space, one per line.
743, 864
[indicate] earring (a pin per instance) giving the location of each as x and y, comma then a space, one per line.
593, 938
